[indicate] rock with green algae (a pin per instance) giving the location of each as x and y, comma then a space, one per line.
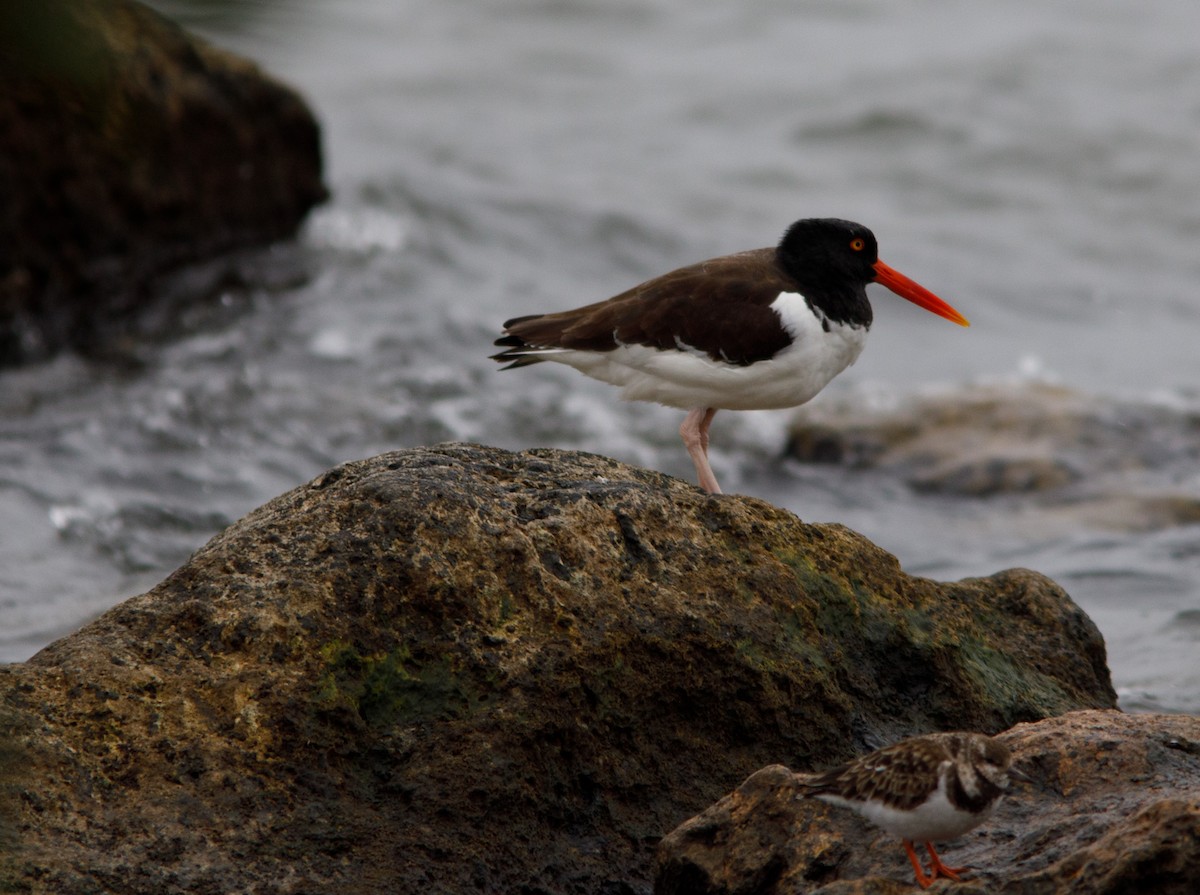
459, 668
1112, 806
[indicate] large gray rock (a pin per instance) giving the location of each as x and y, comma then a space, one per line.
128, 147
458, 668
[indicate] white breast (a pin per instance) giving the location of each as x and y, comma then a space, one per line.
934, 820
688, 378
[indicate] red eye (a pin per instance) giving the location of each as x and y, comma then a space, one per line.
857, 244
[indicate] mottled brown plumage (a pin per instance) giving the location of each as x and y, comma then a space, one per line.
922, 789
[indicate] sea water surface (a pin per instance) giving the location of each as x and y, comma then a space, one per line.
1036, 164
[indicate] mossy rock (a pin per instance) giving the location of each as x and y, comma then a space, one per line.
457, 667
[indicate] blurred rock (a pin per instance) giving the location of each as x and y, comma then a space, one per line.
128, 148
1101, 462
1114, 807
459, 668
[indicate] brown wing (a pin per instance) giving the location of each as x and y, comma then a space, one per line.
720, 307
903, 774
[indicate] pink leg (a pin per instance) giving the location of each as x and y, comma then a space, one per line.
694, 432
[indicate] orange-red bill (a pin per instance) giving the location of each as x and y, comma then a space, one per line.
916, 293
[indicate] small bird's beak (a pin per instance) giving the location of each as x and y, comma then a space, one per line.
916, 293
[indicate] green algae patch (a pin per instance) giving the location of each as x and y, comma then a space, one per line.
1018, 692
390, 688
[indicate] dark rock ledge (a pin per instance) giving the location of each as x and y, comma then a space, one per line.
127, 148
462, 669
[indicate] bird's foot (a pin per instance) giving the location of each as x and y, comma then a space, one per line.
937, 868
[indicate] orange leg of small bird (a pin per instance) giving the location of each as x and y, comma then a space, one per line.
940, 869
694, 432
922, 880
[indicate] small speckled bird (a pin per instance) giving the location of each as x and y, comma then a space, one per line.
923, 789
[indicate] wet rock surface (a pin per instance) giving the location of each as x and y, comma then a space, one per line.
128, 148
1113, 806
459, 668
1100, 462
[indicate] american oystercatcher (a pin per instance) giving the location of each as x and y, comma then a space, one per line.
923, 790
758, 330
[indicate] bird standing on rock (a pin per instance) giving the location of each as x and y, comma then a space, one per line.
923, 789
763, 329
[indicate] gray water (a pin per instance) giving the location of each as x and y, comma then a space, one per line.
1036, 164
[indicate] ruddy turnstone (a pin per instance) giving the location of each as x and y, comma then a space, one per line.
759, 330
923, 789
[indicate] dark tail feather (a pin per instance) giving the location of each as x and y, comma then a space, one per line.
522, 360
516, 348
515, 353
515, 320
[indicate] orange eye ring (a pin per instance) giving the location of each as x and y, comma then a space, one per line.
857, 244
